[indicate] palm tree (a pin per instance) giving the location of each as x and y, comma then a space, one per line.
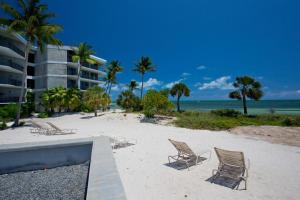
246, 87
132, 85
72, 99
83, 55
93, 98
143, 66
30, 20
111, 78
178, 90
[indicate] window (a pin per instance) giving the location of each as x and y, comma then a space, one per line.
31, 57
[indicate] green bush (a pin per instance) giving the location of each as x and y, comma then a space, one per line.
154, 102
8, 112
128, 101
226, 112
43, 115
3, 125
288, 121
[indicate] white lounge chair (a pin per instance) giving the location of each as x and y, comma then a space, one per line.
40, 128
231, 165
61, 131
186, 155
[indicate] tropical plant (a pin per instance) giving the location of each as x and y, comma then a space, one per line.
246, 87
132, 85
105, 102
31, 20
144, 65
54, 98
155, 102
83, 55
72, 99
179, 90
128, 101
111, 78
93, 97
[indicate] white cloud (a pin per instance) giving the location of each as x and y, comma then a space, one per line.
206, 78
220, 83
298, 92
169, 85
118, 87
151, 83
184, 74
201, 67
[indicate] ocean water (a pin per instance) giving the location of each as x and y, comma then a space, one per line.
254, 107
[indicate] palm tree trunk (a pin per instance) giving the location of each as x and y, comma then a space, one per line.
95, 112
245, 104
24, 79
178, 105
109, 89
142, 86
78, 74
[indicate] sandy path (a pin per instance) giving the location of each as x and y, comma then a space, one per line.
274, 171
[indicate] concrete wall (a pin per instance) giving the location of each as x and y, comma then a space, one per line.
56, 54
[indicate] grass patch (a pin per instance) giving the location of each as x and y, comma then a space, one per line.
214, 121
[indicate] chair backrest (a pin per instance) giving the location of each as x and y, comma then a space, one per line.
38, 125
182, 147
53, 126
235, 158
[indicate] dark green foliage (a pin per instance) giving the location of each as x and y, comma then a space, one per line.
226, 112
246, 87
178, 90
43, 115
155, 102
3, 125
210, 121
128, 101
28, 107
143, 66
8, 112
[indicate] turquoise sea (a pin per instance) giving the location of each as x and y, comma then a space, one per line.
254, 107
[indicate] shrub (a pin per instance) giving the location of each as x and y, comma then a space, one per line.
226, 113
3, 125
288, 121
128, 101
155, 102
43, 115
8, 112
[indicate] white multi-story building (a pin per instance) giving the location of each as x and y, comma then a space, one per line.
53, 67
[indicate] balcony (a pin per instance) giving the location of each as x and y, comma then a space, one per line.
5, 42
72, 71
89, 77
91, 66
10, 63
13, 82
10, 99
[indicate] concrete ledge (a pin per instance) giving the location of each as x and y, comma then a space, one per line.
103, 181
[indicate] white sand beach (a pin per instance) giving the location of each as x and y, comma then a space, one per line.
274, 171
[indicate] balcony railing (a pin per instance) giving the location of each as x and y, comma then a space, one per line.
9, 44
9, 99
91, 66
8, 62
11, 82
89, 77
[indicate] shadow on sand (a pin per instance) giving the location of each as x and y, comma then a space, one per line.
224, 181
181, 165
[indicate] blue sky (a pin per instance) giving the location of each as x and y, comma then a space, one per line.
204, 43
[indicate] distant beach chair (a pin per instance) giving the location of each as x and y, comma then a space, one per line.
61, 131
231, 165
41, 128
186, 155
119, 142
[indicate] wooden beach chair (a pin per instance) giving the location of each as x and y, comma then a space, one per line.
231, 165
186, 155
61, 131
